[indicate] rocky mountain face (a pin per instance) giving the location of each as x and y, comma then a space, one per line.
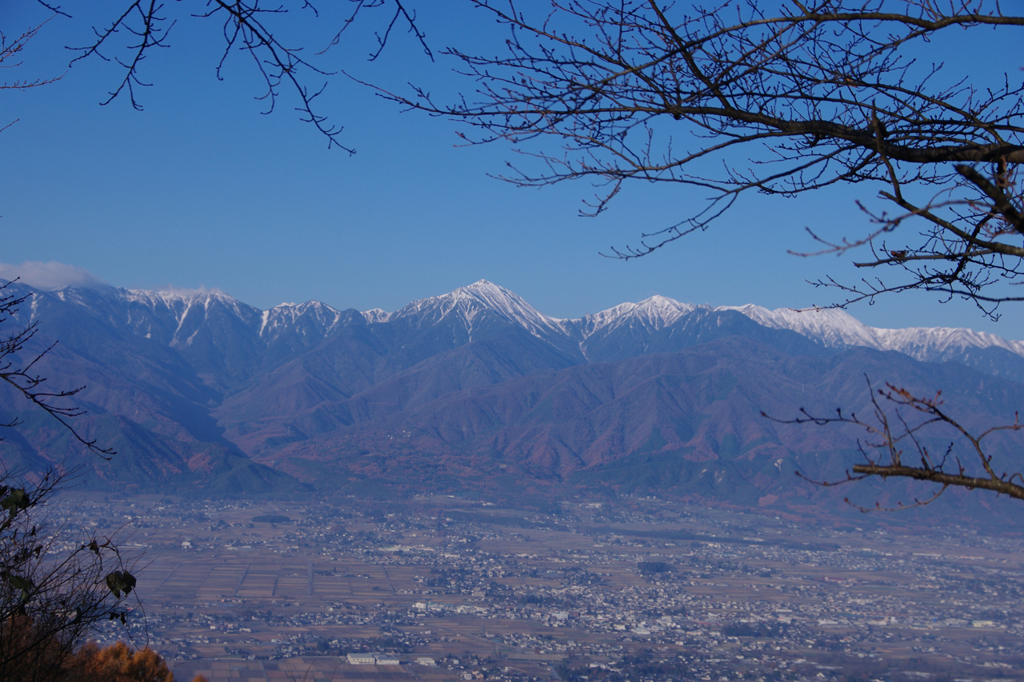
476, 390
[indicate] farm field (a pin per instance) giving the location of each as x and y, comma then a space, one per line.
456, 589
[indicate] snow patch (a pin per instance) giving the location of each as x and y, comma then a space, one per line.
376, 315
299, 317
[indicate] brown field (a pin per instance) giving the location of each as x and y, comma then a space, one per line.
501, 593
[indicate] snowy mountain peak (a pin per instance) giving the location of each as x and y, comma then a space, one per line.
837, 328
927, 343
169, 296
376, 315
304, 308
660, 311
467, 303
652, 314
828, 326
183, 302
286, 316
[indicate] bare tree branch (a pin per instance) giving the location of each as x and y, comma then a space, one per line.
737, 98
248, 26
11, 49
20, 375
895, 448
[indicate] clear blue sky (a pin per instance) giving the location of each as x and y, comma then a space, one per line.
199, 189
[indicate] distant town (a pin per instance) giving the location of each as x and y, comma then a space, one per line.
441, 588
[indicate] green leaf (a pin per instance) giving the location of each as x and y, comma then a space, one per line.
16, 500
25, 585
120, 582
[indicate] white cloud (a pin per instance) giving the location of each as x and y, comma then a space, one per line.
50, 276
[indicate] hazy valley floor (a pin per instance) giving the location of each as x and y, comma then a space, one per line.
632, 589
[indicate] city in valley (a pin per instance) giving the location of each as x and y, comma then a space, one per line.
631, 588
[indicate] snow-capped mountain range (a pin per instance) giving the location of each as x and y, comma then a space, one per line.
151, 312
197, 389
467, 304
836, 328
831, 328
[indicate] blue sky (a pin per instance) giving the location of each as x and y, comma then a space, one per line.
199, 189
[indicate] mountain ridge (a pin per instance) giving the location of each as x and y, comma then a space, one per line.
477, 390
829, 327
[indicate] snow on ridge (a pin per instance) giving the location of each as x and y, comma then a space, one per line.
468, 302
284, 315
835, 328
828, 326
922, 343
180, 301
652, 313
177, 301
175, 294
296, 309
376, 315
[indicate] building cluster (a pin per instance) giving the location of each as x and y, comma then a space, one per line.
637, 590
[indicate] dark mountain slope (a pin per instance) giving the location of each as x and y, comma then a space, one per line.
687, 423
333, 386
